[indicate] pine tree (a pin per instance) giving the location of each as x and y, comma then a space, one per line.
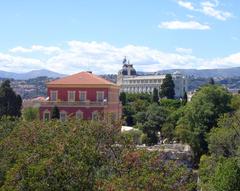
185, 98
211, 81
155, 97
123, 98
167, 87
10, 103
55, 114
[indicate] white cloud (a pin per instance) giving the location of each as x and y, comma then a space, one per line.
186, 4
184, 50
209, 8
102, 57
37, 48
18, 63
190, 25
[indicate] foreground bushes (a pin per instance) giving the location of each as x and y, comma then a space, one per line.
80, 155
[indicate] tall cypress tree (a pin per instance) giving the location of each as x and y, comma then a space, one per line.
10, 103
211, 81
185, 98
123, 98
155, 97
55, 114
167, 87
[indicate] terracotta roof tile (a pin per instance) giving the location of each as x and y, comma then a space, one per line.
82, 78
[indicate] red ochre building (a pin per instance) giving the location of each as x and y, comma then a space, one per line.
82, 96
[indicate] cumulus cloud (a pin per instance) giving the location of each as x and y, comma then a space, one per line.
36, 48
186, 4
102, 57
188, 25
208, 8
18, 63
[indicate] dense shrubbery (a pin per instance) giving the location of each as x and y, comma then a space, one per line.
77, 155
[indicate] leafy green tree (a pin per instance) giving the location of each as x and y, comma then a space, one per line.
30, 114
123, 98
55, 114
201, 115
167, 87
170, 104
220, 174
235, 102
10, 103
155, 97
226, 176
151, 122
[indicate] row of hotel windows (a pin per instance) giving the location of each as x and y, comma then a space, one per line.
139, 89
72, 96
63, 115
142, 81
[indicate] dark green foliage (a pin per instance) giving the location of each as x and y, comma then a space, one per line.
185, 98
55, 114
225, 140
10, 103
155, 97
135, 103
170, 104
167, 88
201, 115
219, 174
151, 121
83, 156
128, 113
211, 81
123, 98
221, 171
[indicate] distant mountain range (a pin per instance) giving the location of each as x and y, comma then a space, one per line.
205, 73
31, 74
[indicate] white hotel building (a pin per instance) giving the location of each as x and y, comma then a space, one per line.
130, 82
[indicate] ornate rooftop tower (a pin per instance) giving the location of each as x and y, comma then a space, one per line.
126, 71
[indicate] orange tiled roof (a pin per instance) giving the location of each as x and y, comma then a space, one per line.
82, 78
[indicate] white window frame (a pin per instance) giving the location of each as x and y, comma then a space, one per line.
77, 114
85, 95
97, 96
51, 95
65, 113
46, 112
74, 96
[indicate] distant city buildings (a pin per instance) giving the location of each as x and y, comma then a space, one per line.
130, 82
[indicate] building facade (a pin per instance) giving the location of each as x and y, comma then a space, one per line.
130, 82
82, 96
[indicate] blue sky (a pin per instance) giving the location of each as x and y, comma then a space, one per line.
68, 36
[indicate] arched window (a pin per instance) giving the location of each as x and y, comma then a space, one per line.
46, 115
63, 115
79, 114
95, 115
